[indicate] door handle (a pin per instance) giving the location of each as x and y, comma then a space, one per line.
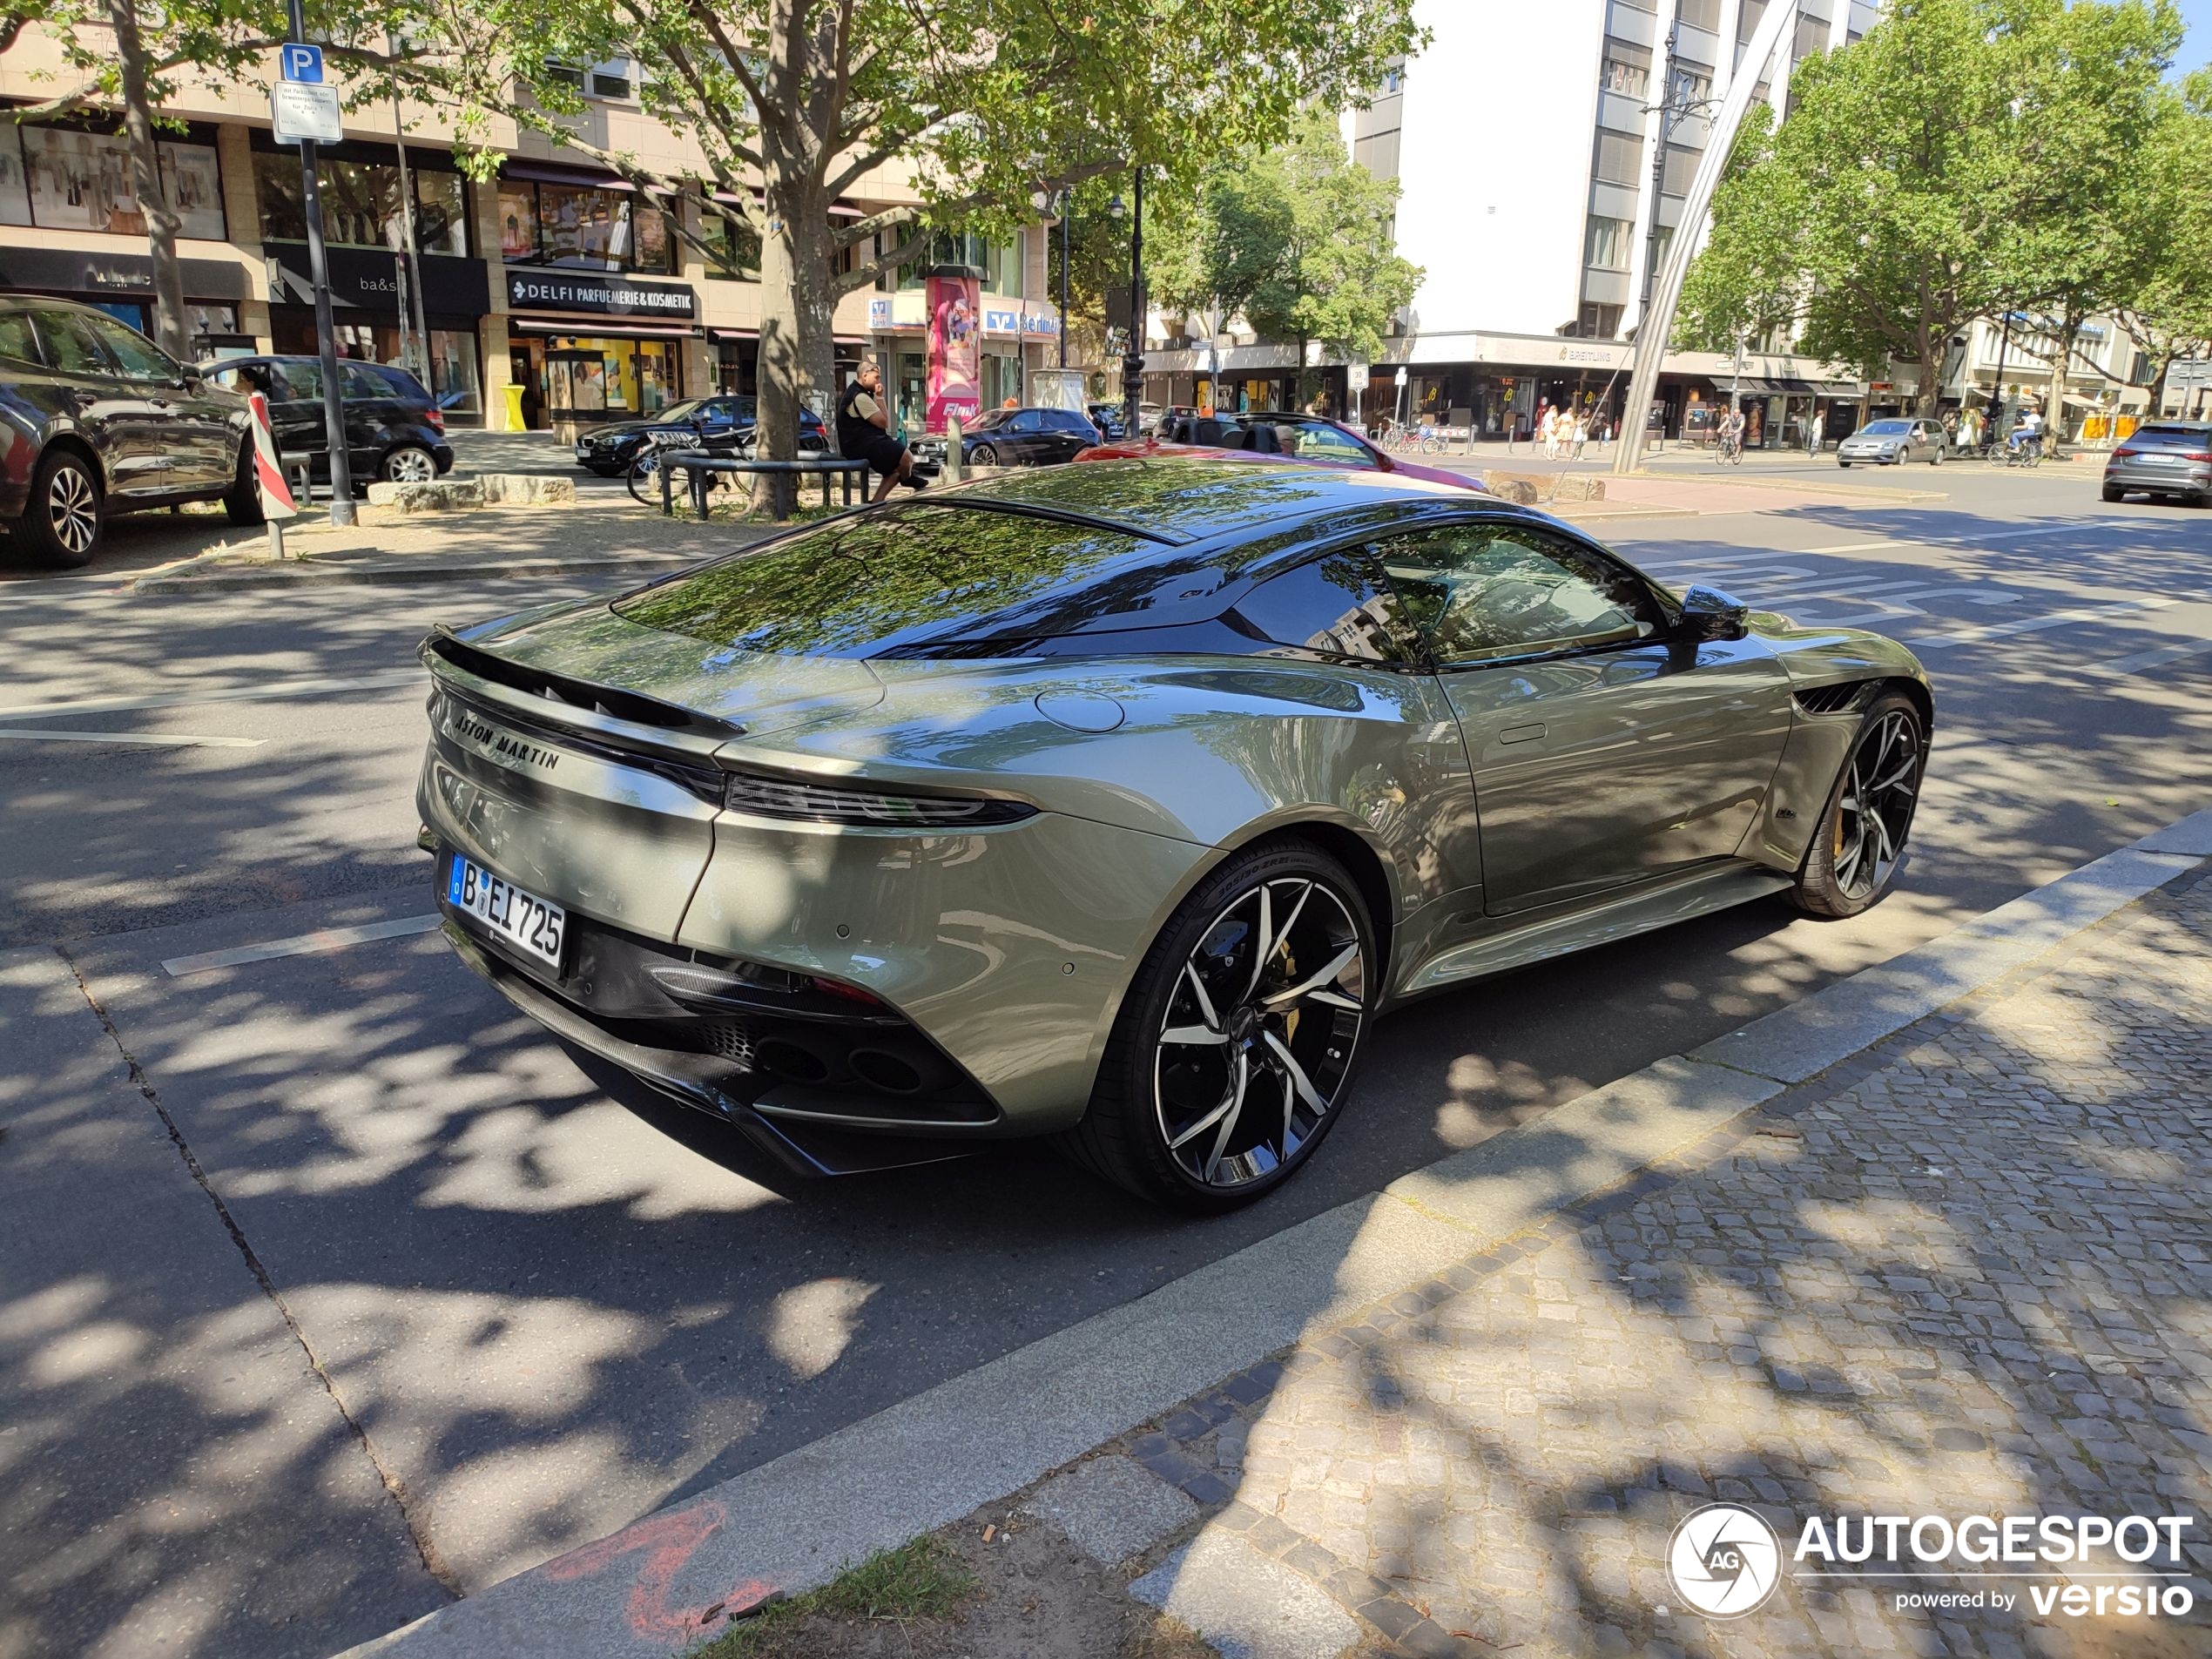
157, 402
1521, 733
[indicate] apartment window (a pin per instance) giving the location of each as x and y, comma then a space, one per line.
739, 244
1611, 243
612, 80
1600, 322
1394, 80
566, 74
1811, 38
360, 203
1626, 70
1682, 167
1001, 265
1747, 21
1618, 157
1700, 14
1666, 241
1693, 82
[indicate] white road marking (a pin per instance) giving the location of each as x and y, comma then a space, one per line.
386, 681
2036, 624
324, 939
159, 739
2157, 656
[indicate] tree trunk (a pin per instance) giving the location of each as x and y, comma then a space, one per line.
2055, 417
162, 222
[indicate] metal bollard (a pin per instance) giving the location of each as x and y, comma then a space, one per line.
952, 448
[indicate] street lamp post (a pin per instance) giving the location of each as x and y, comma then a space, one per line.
1064, 278
1997, 386
1133, 352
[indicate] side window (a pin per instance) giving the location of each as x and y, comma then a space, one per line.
17, 341
362, 382
1337, 605
1025, 420
140, 359
299, 382
71, 348
1488, 590
1321, 443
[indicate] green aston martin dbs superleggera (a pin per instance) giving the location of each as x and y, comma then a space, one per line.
1115, 802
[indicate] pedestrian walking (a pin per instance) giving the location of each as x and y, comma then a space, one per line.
1815, 433
1582, 433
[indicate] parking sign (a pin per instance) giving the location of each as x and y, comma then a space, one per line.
301, 62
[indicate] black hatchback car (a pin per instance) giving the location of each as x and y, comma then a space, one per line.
97, 419
1014, 438
395, 432
728, 422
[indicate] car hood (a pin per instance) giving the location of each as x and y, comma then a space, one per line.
755, 692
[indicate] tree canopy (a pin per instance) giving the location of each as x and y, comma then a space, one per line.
1965, 159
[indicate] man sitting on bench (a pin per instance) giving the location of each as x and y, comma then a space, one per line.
864, 431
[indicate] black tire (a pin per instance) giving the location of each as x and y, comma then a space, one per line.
64, 513
242, 501
407, 463
1845, 872
983, 455
1936, 460
1294, 1060
2113, 492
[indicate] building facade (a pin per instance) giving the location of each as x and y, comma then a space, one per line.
554, 277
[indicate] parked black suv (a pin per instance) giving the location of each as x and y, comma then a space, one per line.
394, 431
1013, 438
726, 421
97, 419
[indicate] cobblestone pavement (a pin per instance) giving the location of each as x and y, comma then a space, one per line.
1964, 1274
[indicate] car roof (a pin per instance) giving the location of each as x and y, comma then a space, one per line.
1182, 500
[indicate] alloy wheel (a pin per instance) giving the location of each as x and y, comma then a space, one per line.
1874, 812
410, 467
1259, 1032
73, 508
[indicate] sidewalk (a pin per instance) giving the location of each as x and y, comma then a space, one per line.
1933, 1241
1967, 1272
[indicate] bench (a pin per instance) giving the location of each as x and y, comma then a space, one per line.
700, 466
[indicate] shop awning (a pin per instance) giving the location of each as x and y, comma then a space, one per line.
539, 172
1757, 386
602, 327
1846, 389
733, 333
2076, 401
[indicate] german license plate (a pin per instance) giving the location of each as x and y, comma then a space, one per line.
523, 920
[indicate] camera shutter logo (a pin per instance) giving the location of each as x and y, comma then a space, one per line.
1725, 1561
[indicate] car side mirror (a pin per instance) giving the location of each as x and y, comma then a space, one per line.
1706, 613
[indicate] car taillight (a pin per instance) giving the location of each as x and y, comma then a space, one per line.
2122, 454
436, 419
820, 803
2196, 455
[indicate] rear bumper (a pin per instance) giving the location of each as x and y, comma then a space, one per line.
2193, 480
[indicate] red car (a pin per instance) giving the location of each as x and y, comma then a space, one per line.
1270, 434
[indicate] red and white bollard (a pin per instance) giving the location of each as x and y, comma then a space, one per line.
277, 504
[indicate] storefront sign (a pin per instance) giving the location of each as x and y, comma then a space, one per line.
73, 271
1037, 323
368, 279
614, 296
1001, 322
879, 312
956, 351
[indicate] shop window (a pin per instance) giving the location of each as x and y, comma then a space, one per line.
582, 226
59, 179
361, 204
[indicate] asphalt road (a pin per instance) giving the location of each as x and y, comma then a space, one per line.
537, 1311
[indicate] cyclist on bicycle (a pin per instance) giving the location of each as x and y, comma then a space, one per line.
2029, 431
1731, 434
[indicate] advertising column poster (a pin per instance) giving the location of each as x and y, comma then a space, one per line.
955, 350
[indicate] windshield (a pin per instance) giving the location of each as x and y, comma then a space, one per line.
886, 581
1888, 428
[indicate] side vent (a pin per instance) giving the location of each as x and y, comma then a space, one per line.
1832, 699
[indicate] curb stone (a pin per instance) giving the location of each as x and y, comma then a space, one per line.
1154, 1368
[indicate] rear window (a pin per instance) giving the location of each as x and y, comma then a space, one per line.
2172, 436
895, 580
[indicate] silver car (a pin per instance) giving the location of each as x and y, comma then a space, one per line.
2171, 458
1116, 801
1888, 442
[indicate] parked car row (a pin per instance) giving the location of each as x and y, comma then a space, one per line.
728, 422
96, 419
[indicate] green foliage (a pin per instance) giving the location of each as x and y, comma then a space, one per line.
1297, 240
1965, 159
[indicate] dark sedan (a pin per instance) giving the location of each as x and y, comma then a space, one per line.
2163, 458
394, 431
96, 419
1014, 438
1275, 434
726, 421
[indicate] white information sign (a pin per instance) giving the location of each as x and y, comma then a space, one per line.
301, 109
